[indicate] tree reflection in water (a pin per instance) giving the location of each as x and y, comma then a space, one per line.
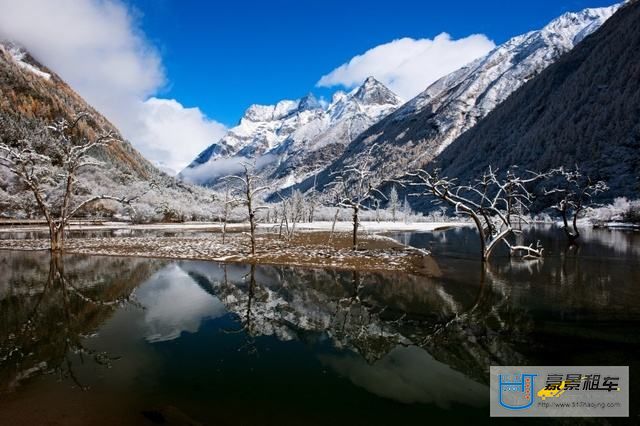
396, 335
372, 313
47, 315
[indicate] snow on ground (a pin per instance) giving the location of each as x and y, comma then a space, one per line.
306, 249
126, 225
204, 226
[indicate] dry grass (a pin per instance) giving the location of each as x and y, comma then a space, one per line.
306, 249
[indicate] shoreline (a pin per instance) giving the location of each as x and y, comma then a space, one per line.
234, 227
309, 249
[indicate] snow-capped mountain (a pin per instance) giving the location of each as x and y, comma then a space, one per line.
419, 130
465, 96
582, 110
292, 140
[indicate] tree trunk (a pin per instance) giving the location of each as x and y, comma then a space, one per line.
494, 242
56, 235
355, 228
252, 225
572, 236
576, 233
224, 231
483, 241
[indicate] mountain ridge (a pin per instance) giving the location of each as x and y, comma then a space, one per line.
419, 130
581, 111
293, 138
31, 90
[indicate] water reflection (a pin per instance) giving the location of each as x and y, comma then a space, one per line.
47, 308
594, 242
201, 331
409, 375
175, 304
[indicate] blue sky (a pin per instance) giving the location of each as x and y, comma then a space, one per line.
224, 56
174, 75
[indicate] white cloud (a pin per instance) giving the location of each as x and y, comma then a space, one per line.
174, 303
173, 133
409, 66
224, 166
97, 47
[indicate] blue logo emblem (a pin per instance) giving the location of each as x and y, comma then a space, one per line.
516, 391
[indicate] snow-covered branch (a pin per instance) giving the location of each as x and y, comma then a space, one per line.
495, 202
48, 165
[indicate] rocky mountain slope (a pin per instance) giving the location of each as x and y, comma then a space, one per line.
582, 110
30, 91
32, 96
422, 128
293, 139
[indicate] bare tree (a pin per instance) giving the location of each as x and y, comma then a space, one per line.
293, 212
312, 199
574, 195
297, 208
393, 202
406, 209
249, 192
493, 203
286, 206
228, 205
356, 190
49, 167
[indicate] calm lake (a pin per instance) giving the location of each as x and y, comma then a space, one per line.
108, 340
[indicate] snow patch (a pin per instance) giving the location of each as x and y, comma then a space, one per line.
18, 55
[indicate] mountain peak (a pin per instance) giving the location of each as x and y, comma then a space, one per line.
309, 102
575, 26
338, 96
373, 91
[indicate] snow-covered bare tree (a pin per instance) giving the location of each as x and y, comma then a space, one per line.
355, 189
291, 213
297, 207
249, 191
406, 209
393, 202
573, 195
49, 164
227, 206
312, 197
493, 202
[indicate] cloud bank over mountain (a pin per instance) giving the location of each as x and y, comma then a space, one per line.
98, 48
407, 66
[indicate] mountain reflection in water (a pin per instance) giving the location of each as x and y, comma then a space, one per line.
204, 338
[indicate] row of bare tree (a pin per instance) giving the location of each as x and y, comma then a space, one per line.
497, 203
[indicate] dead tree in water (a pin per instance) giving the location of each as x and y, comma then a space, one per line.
249, 192
493, 203
574, 195
48, 165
